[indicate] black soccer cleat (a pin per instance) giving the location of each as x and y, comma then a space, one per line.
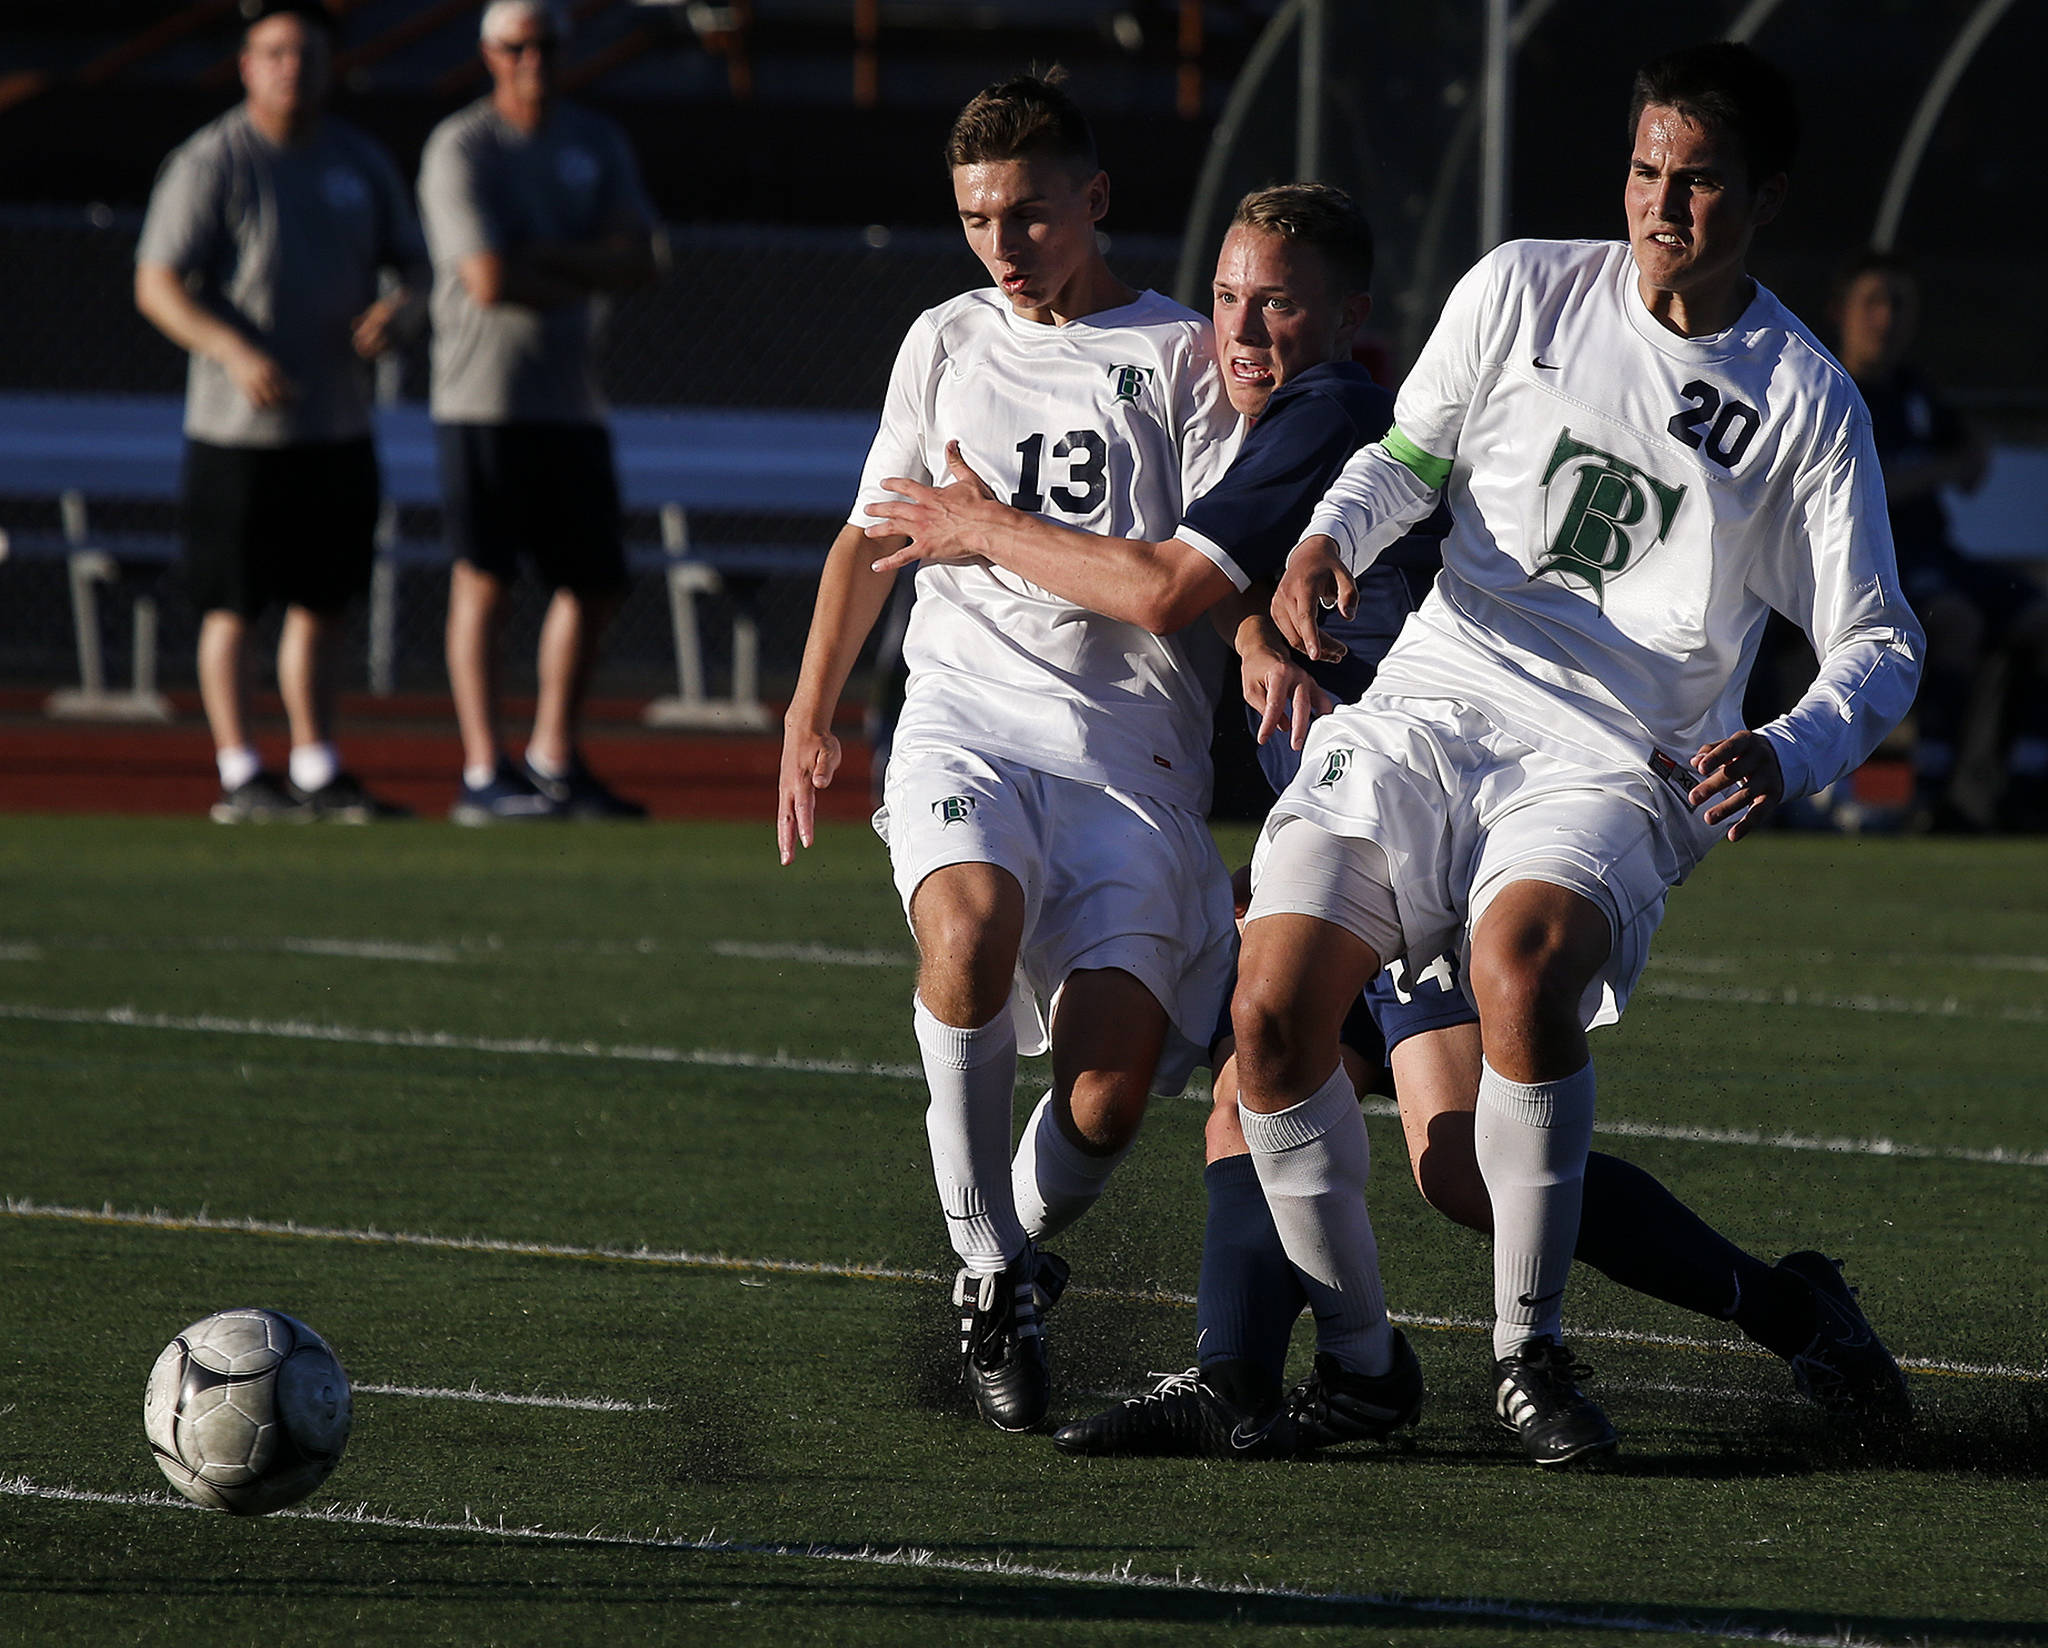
1846, 1371
1181, 1417
1334, 1405
1538, 1398
1002, 1337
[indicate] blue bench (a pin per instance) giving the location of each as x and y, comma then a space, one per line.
81, 449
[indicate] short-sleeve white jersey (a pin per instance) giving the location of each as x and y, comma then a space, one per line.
1109, 424
1627, 504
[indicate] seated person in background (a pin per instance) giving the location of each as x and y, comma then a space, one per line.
1970, 608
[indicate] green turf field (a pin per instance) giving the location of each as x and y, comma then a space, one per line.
620, 1122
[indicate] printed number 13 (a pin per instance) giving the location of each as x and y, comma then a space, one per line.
1087, 482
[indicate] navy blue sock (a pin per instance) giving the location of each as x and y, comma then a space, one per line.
1634, 1230
1249, 1294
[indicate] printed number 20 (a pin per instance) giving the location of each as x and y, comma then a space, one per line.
1732, 430
1087, 482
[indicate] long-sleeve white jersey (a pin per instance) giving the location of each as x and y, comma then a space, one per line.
1626, 504
1110, 424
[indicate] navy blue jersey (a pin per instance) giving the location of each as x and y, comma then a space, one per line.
1255, 515
1260, 509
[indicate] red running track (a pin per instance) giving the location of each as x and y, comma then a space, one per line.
403, 748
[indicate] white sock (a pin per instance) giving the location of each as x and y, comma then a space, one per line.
477, 777
313, 766
1313, 1159
1531, 1139
549, 769
972, 1075
237, 765
1053, 1180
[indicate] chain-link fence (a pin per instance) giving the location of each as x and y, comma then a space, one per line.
757, 318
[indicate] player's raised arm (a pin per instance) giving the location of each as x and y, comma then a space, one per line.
851, 596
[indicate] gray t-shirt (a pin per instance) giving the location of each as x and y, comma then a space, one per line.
285, 243
486, 186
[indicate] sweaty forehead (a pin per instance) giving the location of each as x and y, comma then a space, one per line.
1674, 138
1253, 258
1004, 185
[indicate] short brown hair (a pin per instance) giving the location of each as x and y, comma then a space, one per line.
1027, 115
1317, 215
1728, 84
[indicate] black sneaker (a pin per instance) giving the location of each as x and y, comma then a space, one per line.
1845, 1371
264, 799
1002, 1337
582, 794
509, 798
1334, 1405
1181, 1417
1539, 1399
343, 800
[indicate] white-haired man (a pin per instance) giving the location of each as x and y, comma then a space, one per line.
533, 211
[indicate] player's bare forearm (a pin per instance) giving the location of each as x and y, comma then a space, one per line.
850, 598
1160, 587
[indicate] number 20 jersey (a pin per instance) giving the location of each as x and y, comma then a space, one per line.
1626, 505
1109, 424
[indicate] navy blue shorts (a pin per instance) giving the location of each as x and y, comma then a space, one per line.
1393, 1008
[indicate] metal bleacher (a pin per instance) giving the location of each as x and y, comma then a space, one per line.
86, 449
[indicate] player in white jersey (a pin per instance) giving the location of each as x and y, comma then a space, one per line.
1046, 787
1644, 453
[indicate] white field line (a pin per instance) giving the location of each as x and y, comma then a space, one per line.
21, 1207
1925, 961
1945, 1007
130, 1018
823, 955
1124, 1576
578, 1404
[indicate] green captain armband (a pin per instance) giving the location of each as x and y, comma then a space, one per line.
1431, 472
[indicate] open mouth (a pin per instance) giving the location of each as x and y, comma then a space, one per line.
1249, 372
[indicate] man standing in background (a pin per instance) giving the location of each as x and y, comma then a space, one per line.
260, 255
533, 211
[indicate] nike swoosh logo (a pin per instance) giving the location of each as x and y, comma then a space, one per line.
1541, 364
1528, 1303
1244, 1436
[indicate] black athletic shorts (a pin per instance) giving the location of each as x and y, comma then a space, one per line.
265, 525
543, 491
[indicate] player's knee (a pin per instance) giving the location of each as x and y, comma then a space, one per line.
1104, 1111
1535, 971
1271, 1047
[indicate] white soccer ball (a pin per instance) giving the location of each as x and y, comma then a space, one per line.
247, 1411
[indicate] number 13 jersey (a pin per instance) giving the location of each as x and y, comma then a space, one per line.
1110, 424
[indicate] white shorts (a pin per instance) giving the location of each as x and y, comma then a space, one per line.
1110, 880
1460, 809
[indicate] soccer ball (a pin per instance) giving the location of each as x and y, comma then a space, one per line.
247, 1411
